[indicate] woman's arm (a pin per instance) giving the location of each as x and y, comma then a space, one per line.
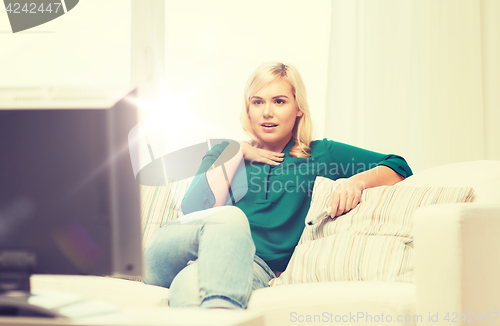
348, 193
199, 196
380, 175
210, 187
220, 180
361, 169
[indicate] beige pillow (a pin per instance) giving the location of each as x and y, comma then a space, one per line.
373, 242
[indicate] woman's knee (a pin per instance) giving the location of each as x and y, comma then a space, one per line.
185, 290
231, 215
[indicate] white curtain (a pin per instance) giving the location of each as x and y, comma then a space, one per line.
420, 78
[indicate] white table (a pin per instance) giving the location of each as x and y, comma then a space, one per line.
154, 316
131, 303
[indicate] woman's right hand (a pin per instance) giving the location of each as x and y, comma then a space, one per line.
260, 155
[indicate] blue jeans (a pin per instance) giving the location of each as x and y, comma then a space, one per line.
207, 259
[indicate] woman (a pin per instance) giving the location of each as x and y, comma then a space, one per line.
238, 241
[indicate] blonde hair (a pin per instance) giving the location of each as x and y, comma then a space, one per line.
260, 78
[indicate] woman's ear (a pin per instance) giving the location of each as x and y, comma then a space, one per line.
299, 113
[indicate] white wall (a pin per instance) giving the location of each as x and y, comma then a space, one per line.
213, 46
89, 45
211, 49
416, 78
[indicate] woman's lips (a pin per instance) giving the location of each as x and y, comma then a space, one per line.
268, 128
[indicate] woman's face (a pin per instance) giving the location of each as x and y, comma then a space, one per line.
274, 105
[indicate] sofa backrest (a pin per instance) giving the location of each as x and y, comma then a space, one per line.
483, 176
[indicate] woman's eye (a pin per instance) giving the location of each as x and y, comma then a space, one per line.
257, 102
280, 102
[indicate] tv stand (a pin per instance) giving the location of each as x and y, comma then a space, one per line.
52, 304
15, 290
17, 299
19, 304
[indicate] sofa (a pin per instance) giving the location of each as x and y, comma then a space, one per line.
455, 261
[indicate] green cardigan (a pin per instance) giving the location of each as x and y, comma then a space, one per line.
276, 199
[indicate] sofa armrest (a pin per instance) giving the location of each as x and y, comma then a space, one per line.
457, 264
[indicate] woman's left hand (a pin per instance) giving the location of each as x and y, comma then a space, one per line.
346, 197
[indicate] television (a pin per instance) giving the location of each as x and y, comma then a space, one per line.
69, 201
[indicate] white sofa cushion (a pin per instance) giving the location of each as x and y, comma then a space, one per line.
323, 303
483, 176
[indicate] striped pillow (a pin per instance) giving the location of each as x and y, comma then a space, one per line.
160, 204
373, 242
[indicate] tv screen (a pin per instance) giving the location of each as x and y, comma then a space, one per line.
69, 202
